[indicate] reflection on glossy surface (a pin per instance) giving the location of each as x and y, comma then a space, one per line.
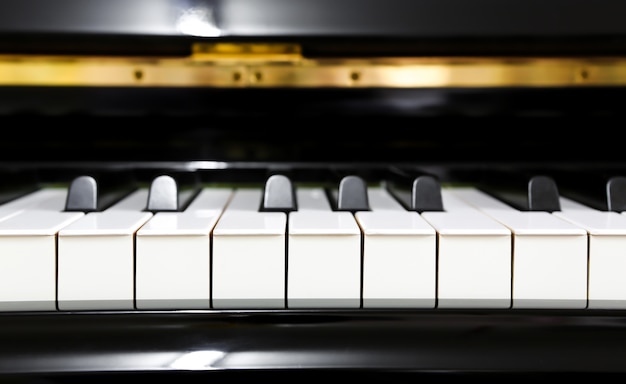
384, 341
198, 21
365, 18
198, 360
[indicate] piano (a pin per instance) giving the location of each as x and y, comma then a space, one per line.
398, 190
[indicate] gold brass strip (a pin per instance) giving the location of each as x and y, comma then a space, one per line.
342, 73
274, 52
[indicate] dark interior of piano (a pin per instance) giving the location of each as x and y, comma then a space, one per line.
433, 106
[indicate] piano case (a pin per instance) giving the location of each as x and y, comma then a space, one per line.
236, 89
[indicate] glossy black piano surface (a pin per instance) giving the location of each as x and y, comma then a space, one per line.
366, 27
522, 74
282, 345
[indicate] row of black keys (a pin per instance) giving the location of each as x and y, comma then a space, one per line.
416, 190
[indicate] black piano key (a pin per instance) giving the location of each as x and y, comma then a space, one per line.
426, 195
96, 192
347, 186
82, 195
543, 194
172, 192
616, 194
523, 190
279, 194
352, 194
602, 190
415, 190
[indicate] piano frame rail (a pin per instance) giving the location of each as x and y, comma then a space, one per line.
290, 70
66, 345
417, 341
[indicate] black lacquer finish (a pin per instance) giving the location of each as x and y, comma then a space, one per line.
425, 341
390, 18
458, 26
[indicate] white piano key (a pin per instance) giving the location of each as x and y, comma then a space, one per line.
249, 255
173, 267
44, 199
324, 255
607, 260
28, 259
135, 201
549, 255
96, 258
247, 200
51, 199
381, 200
474, 257
324, 260
569, 205
312, 199
399, 255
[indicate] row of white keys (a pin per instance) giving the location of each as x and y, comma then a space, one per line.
399, 255
251, 268
310, 258
607, 252
96, 257
324, 264
549, 254
75, 261
173, 268
28, 241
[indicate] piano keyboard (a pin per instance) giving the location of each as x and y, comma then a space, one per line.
282, 246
